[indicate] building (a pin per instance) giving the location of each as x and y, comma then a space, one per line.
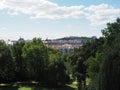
64, 45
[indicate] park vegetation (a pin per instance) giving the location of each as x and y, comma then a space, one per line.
94, 66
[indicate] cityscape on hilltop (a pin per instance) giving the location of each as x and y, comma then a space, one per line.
64, 45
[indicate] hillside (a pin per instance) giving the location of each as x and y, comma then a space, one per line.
75, 38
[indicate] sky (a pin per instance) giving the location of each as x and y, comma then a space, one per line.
50, 19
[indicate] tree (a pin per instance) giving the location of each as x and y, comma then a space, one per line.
56, 74
6, 63
111, 31
81, 56
103, 69
36, 56
110, 71
93, 70
20, 63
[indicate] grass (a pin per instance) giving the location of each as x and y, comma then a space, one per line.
25, 88
72, 86
35, 87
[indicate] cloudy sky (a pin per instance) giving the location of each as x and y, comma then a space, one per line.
55, 18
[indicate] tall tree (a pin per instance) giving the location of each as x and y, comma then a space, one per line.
56, 71
110, 71
36, 56
6, 63
81, 56
103, 69
20, 64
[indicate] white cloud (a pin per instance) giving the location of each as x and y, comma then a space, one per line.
102, 14
97, 15
41, 9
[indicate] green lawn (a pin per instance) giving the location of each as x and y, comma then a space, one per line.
35, 87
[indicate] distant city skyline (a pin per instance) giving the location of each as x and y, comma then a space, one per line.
55, 18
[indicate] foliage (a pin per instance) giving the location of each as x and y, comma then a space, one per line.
103, 69
56, 71
32, 61
80, 59
110, 71
20, 63
6, 63
35, 54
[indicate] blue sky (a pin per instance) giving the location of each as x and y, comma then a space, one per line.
55, 18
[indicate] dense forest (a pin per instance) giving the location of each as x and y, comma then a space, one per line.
94, 66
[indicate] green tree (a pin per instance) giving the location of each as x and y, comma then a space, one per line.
6, 63
110, 71
103, 69
93, 70
56, 74
36, 56
20, 63
81, 56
